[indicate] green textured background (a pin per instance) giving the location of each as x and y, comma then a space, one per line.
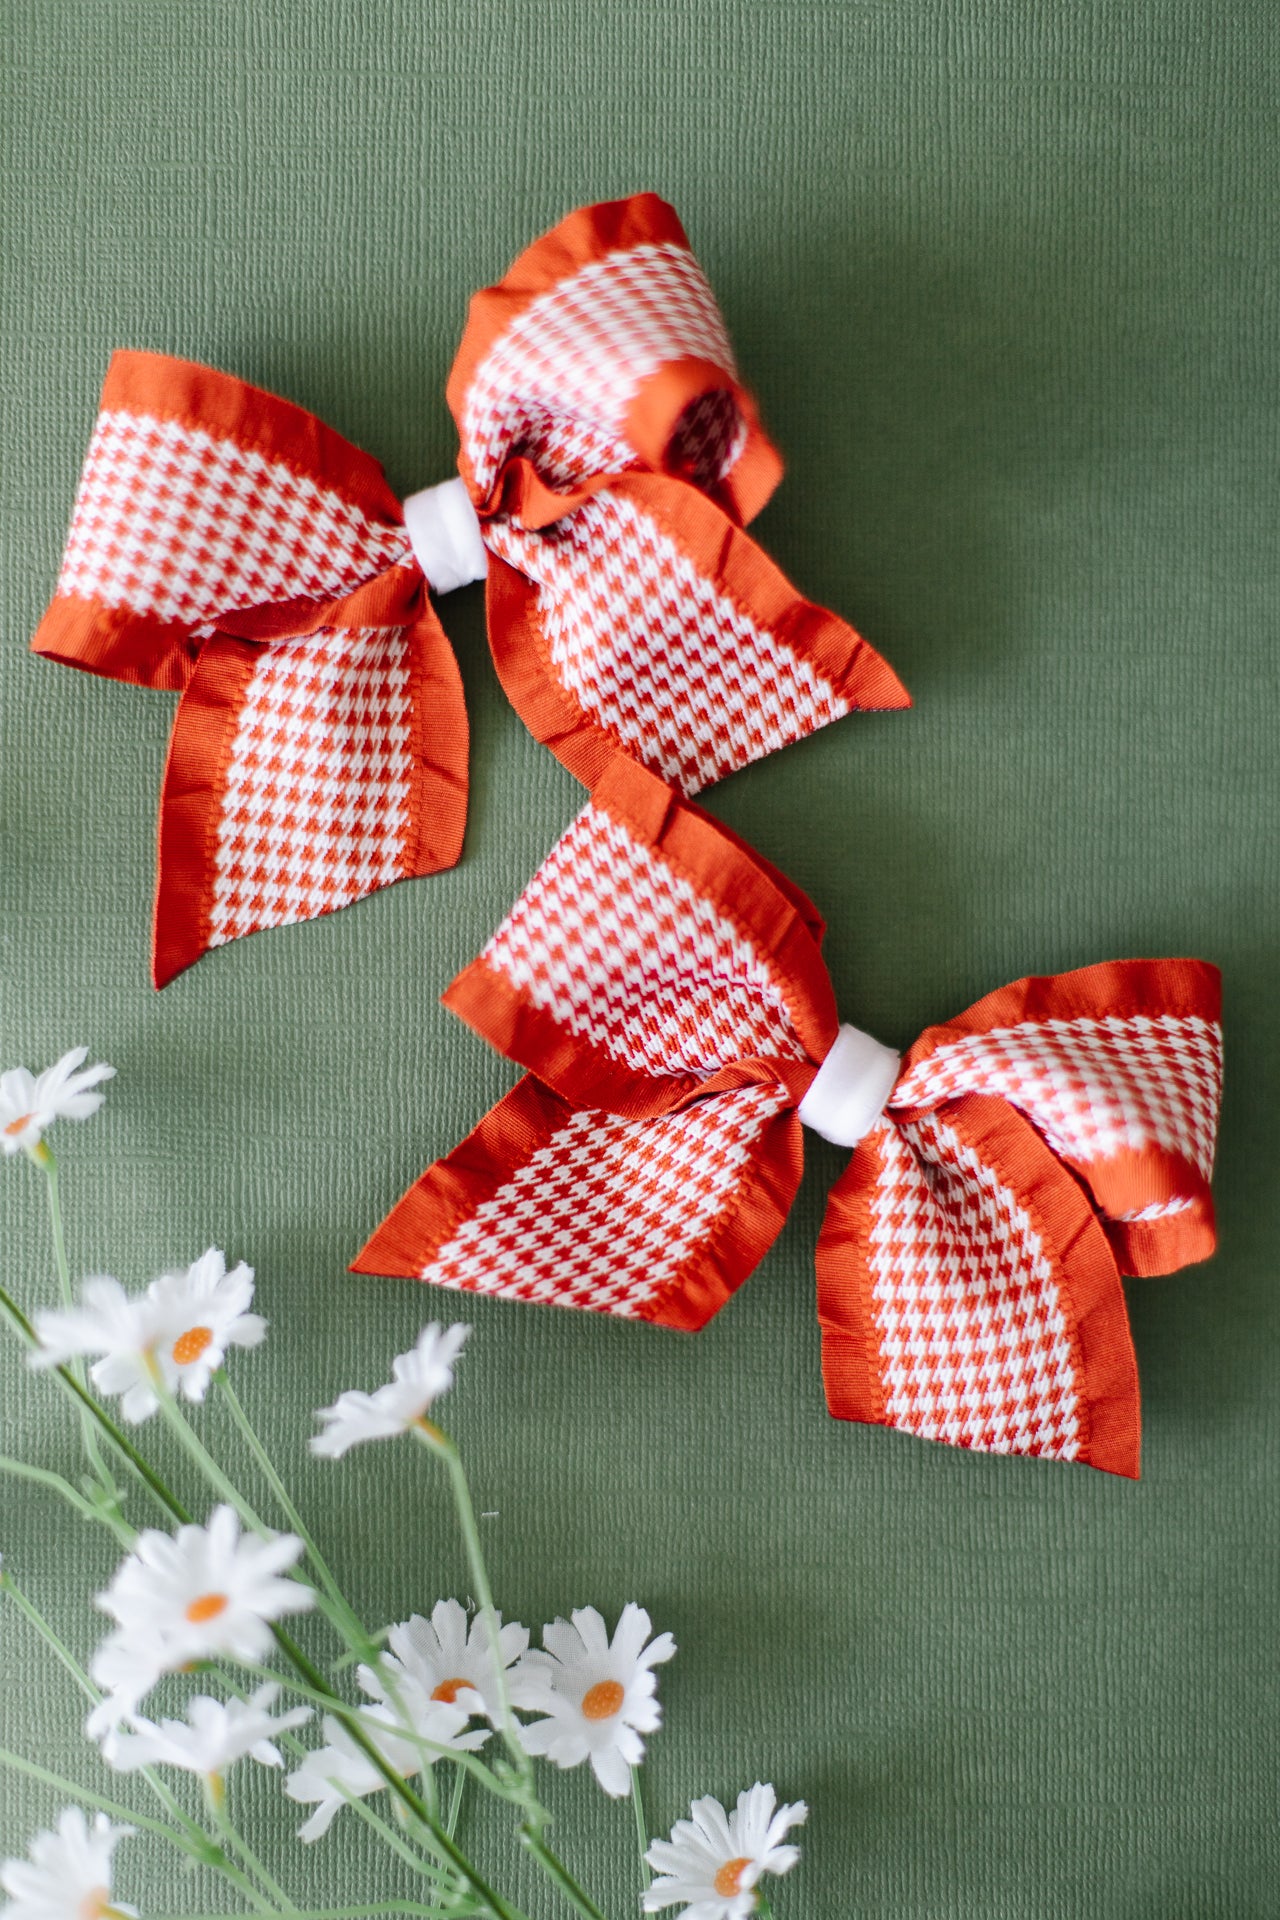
1004, 278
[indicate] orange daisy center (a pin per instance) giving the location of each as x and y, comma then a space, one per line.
448, 1690
190, 1345
206, 1606
95, 1903
729, 1879
602, 1701
16, 1126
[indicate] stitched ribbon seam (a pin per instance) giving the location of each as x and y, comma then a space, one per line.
667, 992
229, 546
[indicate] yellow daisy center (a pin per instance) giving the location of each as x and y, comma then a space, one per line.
729, 1879
448, 1690
206, 1606
603, 1700
95, 1903
190, 1345
15, 1126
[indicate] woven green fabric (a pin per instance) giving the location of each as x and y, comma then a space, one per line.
1003, 275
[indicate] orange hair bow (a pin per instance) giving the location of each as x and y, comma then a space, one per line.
666, 988
229, 546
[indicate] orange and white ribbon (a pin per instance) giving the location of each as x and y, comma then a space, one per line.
229, 546
666, 989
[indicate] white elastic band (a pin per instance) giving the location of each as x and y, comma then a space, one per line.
445, 536
851, 1088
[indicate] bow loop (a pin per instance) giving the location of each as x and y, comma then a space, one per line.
668, 989
603, 350
614, 455
1119, 1067
646, 955
229, 545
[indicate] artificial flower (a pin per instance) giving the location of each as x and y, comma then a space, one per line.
453, 1663
201, 1313
410, 1729
206, 1592
179, 1330
30, 1105
419, 1377
214, 1735
599, 1696
340, 1770
68, 1874
712, 1862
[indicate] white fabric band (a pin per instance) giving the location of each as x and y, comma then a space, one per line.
851, 1088
445, 536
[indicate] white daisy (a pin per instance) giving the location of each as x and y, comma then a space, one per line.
452, 1662
28, 1106
712, 1862
179, 1329
340, 1770
419, 1377
205, 1592
599, 1696
111, 1324
214, 1735
68, 1875
406, 1726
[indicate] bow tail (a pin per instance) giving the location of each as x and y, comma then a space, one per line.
655, 1219
646, 621
968, 1294
304, 775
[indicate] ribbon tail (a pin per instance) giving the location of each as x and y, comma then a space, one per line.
656, 1219
968, 1294
304, 775
647, 622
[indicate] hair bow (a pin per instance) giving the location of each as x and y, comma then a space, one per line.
227, 545
666, 988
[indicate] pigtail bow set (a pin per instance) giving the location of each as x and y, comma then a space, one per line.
663, 987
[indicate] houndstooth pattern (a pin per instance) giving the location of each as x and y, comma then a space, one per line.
315, 808
171, 522
608, 1212
974, 1346
626, 954
1094, 1088
655, 652
585, 346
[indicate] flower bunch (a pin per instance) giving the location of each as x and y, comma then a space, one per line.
440, 1689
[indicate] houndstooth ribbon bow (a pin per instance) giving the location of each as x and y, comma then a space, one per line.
228, 545
666, 988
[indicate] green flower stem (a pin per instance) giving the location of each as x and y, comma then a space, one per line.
206, 1853
155, 1485
440, 1444
46, 1161
201, 1457
498, 1906
215, 1801
642, 1825
555, 1869
68, 1661
762, 1906
397, 1842
108, 1516
342, 1913
455, 1800
354, 1629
